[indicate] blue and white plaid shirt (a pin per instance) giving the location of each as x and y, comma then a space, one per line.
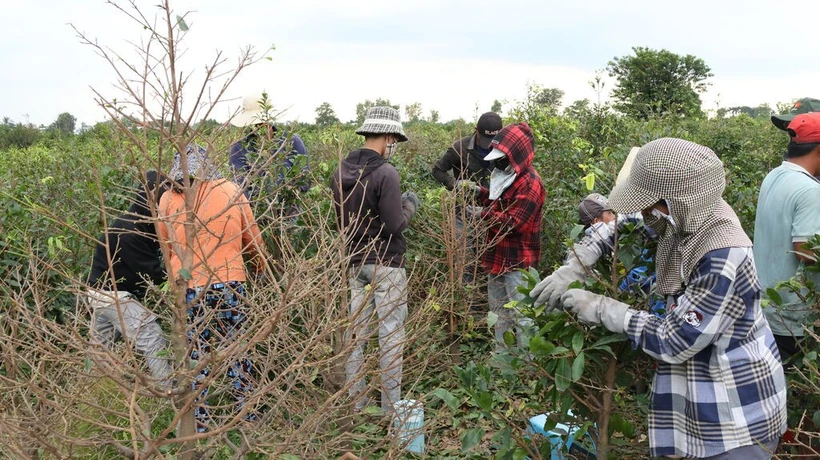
719, 383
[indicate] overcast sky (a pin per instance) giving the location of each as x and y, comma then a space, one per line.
452, 56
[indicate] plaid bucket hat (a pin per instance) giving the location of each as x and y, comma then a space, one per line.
199, 165
382, 120
805, 105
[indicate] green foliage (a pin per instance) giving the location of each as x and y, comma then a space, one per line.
18, 135
325, 115
412, 112
64, 124
658, 82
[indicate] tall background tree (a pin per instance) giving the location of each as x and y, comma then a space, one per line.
655, 82
412, 112
325, 115
64, 124
496, 107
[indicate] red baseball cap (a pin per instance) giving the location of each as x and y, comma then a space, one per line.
805, 128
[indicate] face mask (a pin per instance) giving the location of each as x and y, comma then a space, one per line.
660, 222
500, 180
391, 149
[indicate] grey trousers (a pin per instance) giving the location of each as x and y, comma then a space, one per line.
383, 291
117, 315
502, 289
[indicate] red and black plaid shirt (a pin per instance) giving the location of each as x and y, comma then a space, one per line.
514, 237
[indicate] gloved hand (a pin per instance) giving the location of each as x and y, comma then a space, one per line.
473, 211
467, 186
549, 290
410, 202
597, 309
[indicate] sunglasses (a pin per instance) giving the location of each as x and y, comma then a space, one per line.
501, 163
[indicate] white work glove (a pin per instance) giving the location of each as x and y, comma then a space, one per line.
467, 186
597, 309
549, 290
473, 211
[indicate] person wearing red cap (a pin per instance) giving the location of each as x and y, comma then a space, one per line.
512, 207
787, 217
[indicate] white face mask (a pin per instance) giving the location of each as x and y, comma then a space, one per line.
500, 180
662, 222
390, 150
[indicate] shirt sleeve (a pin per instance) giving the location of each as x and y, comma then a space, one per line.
806, 222
523, 207
391, 210
442, 167
599, 240
706, 309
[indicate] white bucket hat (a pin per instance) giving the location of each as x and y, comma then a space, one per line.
252, 111
382, 120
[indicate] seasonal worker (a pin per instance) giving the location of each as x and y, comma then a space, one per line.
372, 213
719, 390
462, 168
787, 217
126, 264
600, 222
512, 209
206, 242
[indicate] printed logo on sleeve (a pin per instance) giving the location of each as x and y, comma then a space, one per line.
693, 318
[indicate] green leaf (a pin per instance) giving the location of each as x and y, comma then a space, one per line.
577, 342
563, 375
509, 338
470, 438
375, 411
606, 340
540, 346
492, 318
559, 350
578, 367
576, 232
484, 399
289, 457
447, 397
181, 23
816, 418
185, 274
520, 453
774, 296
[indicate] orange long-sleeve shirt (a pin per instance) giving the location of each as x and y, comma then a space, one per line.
225, 229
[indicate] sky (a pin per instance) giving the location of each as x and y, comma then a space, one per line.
454, 56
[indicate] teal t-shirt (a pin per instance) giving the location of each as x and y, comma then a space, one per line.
788, 211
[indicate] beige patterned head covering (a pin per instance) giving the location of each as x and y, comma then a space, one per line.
690, 177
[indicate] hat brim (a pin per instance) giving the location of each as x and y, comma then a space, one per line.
495, 154
628, 198
245, 119
364, 130
782, 121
